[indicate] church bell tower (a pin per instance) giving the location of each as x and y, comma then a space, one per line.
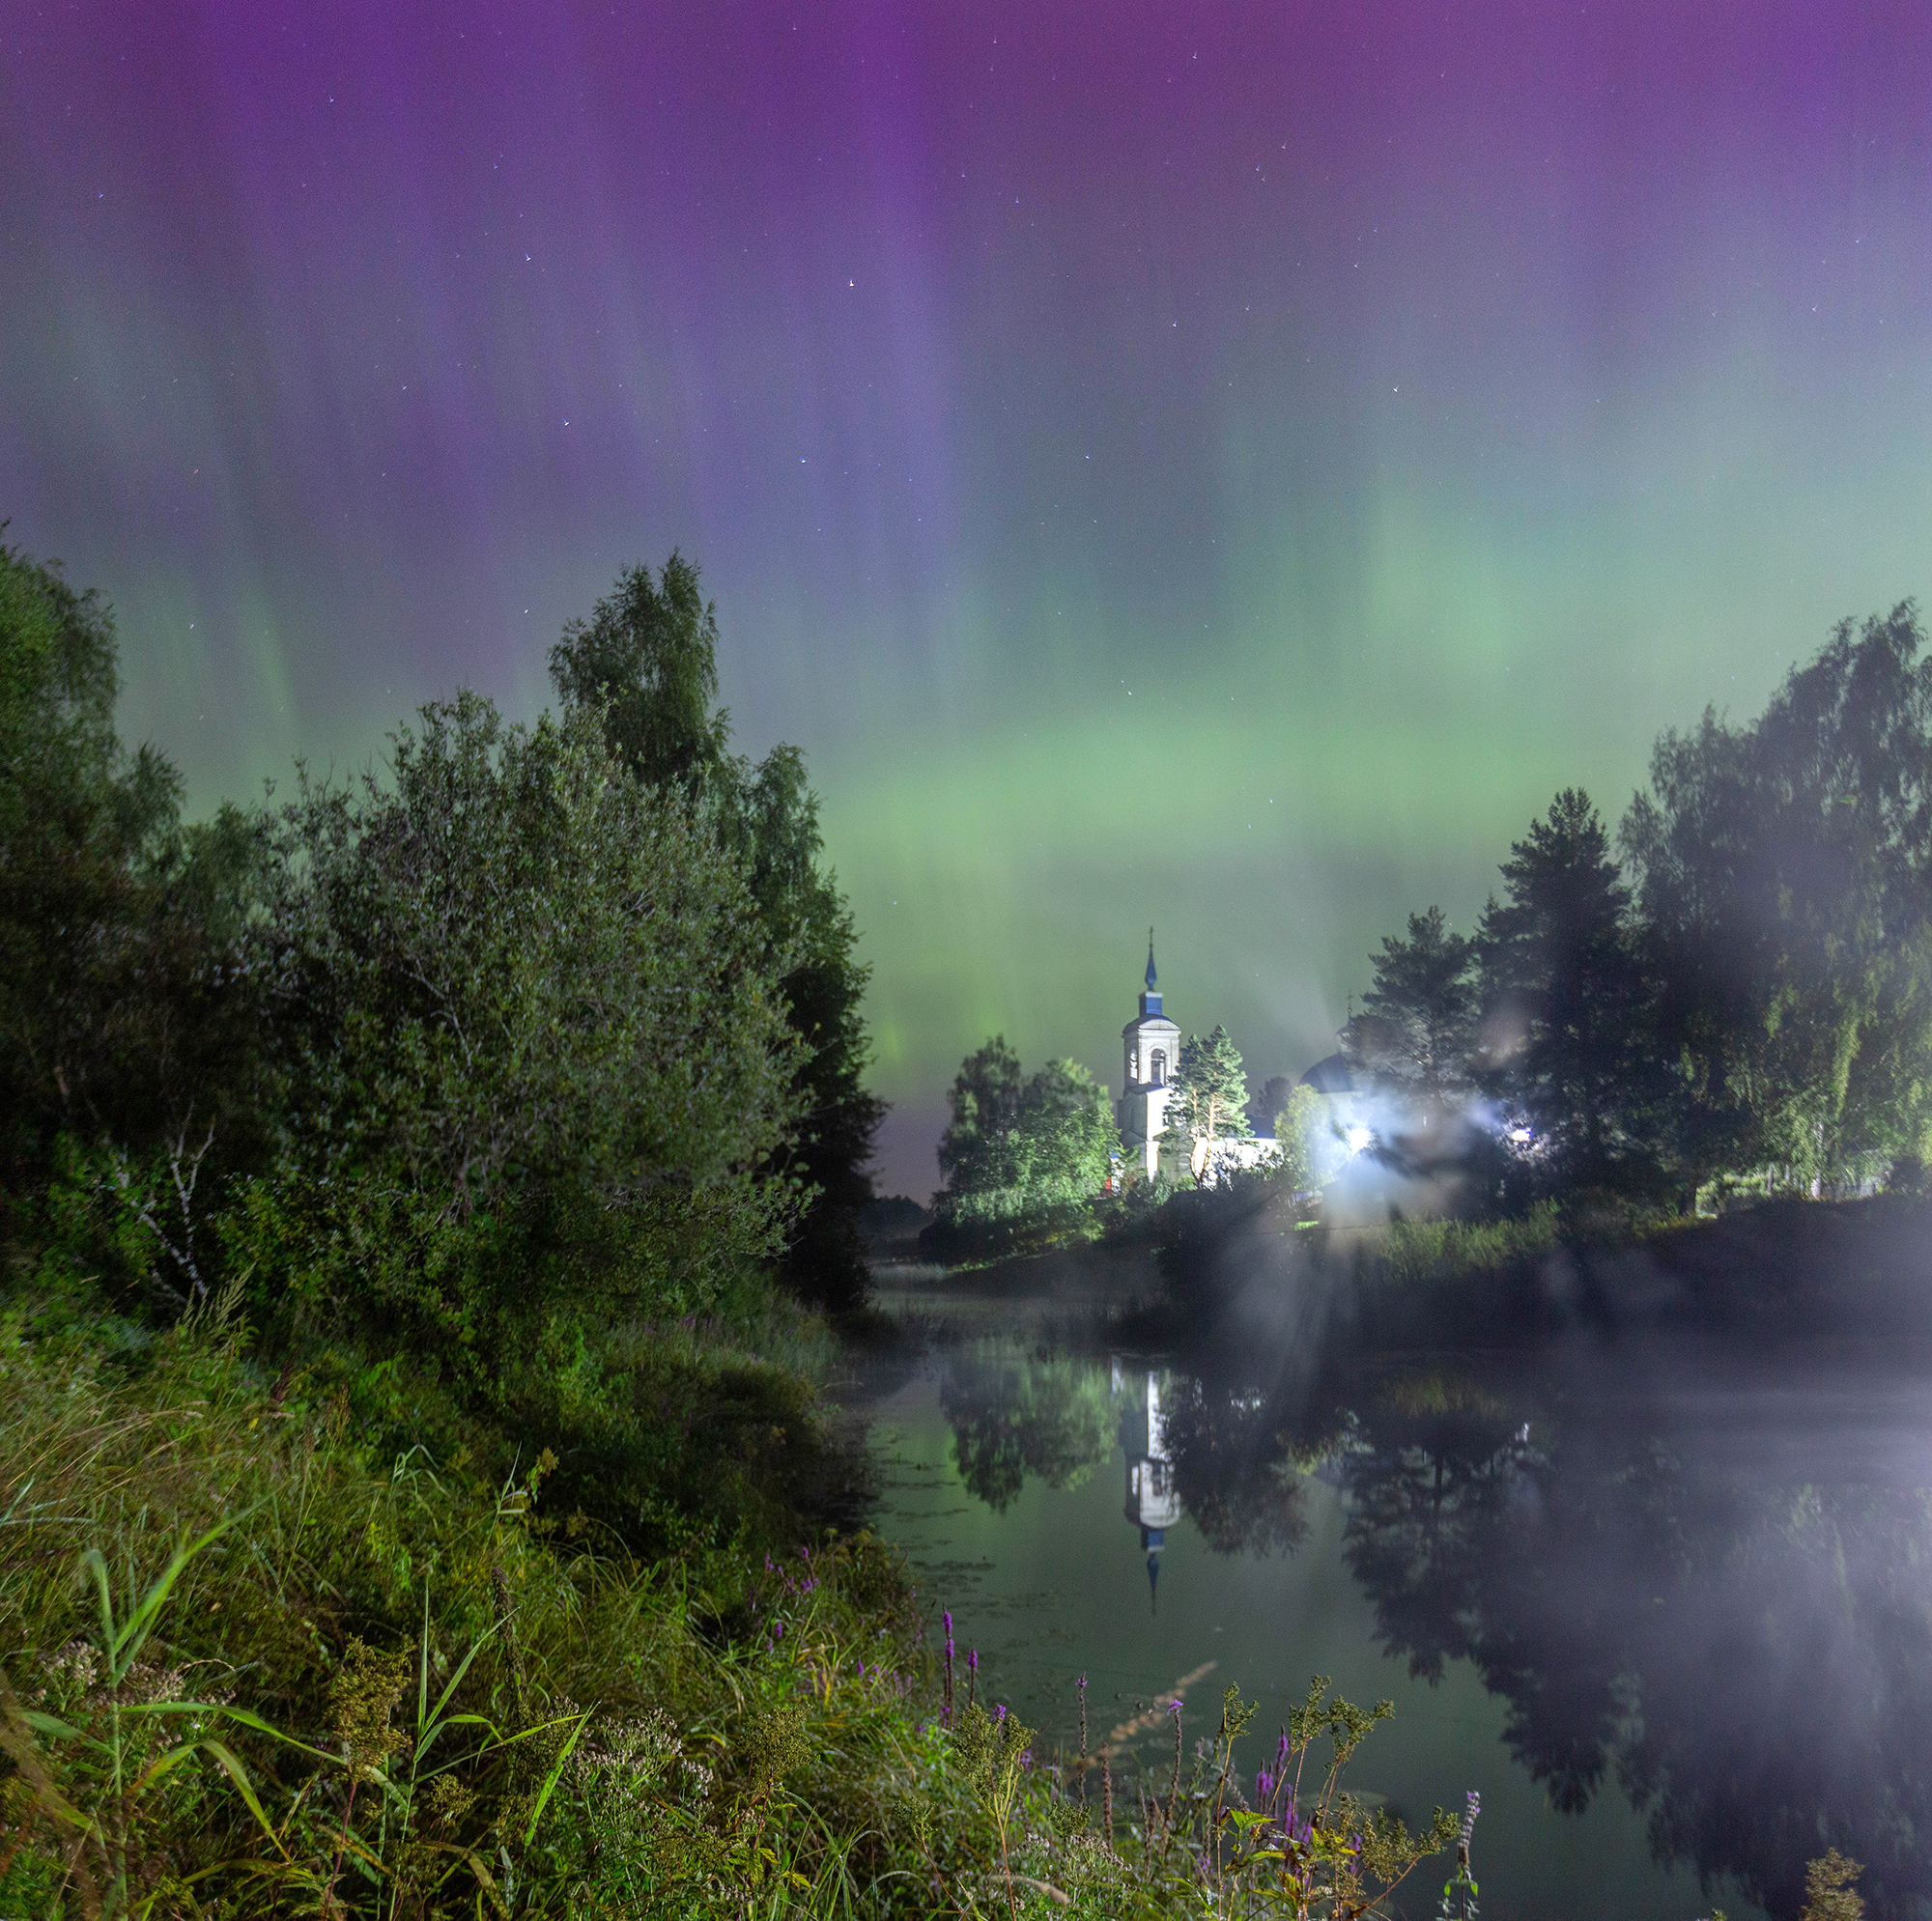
1151, 1044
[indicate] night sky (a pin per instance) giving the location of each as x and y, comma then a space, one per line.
1221, 466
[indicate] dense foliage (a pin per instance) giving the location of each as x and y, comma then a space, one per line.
463, 1077
534, 1063
537, 1025
1208, 1103
1021, 1145
645, 665
130, 1012
1738, 991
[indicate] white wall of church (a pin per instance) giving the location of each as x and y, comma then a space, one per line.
1143, 1042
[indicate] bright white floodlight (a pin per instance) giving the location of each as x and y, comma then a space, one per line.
1358, 1138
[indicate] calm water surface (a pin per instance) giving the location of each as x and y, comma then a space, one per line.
1669, 1612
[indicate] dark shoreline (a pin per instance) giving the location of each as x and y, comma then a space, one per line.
1782, 1272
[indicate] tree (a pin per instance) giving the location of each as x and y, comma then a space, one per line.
1310, 1151
1209, 1099
647, 657
1263, 1107
538, 1059
1785, 878
1562, 994
645, 664
87, 830
984, 1101
1022, 1144
1066, 1137
770, 817
127, 1015
1416, 1027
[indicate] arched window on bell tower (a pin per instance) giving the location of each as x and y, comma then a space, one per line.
1160, 1066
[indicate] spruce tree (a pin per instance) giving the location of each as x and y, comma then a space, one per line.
1562, 993
1209, 1101
1416, 1026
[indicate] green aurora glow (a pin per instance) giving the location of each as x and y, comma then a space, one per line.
1224, 474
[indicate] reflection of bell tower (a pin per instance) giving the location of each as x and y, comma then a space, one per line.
1153, 1505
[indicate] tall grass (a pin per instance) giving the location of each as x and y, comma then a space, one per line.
248, 1663
251, 1666
1406, 1254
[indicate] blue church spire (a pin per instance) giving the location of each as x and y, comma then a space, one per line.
1151, 1000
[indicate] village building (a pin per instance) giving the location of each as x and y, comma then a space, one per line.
1152, 1047
1152, 1044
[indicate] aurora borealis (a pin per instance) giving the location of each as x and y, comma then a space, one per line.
1221, 466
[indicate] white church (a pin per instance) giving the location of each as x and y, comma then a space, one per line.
1153, 1048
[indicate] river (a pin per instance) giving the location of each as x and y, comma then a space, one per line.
1668, 1608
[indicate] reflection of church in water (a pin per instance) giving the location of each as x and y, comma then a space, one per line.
1153, 1504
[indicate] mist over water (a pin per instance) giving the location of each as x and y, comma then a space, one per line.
1662, 1594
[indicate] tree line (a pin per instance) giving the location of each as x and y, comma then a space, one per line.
1023, 1147
528, 1028
1735, 989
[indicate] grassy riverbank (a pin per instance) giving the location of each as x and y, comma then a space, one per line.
1782, 1269
427, 1680
261, 1659
422, 1688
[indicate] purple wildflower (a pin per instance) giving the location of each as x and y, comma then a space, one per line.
1473, 1808
1000, 1713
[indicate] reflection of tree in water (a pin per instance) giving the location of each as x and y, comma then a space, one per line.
1818, 1695
1234, 1467
1015, 1414
1752, 1661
